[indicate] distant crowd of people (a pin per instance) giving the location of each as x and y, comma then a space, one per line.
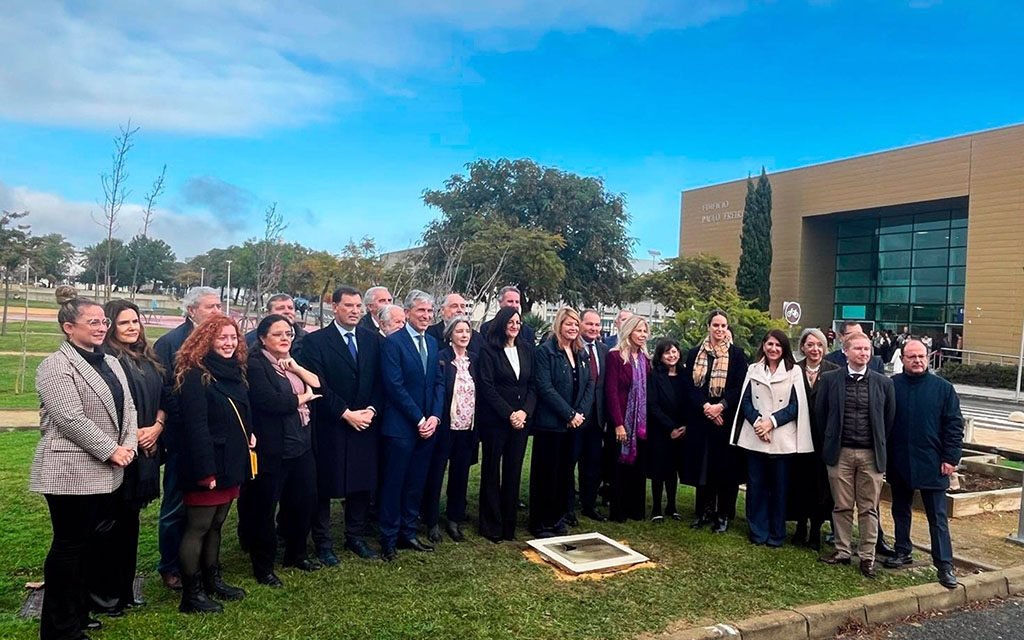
390, 408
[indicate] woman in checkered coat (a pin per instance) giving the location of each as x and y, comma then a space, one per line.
88, 425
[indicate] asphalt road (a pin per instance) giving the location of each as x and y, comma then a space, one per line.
991, 414
1001, 621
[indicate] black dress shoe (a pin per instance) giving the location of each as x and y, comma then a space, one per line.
867, 568
947, 578
327, 558
700, 522
434, 535
415, 544
560, 529
835, 558
361, 549
270, 580
884, 549
721, 525
455, 532
388, 554
304, 564
595, 515
571, 520
898, 561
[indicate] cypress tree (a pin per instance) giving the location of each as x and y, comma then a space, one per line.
753, 277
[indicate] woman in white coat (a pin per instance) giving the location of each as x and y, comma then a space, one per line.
772, 424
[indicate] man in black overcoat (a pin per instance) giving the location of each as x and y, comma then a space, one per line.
924, 450
346, 357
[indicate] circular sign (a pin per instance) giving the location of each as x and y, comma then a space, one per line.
792, 312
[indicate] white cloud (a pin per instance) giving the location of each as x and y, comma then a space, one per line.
241, 66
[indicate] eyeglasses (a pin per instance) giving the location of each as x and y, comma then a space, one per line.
286, 334
96, 323
916, 357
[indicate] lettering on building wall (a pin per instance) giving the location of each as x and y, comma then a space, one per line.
714, 212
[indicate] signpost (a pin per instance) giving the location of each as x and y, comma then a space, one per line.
792, 312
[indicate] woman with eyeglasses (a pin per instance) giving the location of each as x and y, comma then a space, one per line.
214, 459
280, 393
88, 425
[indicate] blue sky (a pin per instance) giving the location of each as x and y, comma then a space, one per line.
343, 115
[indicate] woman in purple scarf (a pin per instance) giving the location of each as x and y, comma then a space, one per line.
625, 389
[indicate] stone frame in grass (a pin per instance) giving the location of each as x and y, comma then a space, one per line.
586, 553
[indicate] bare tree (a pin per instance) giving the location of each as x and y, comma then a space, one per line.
13, 252
268, 254
115, 190
475, 281
147, 219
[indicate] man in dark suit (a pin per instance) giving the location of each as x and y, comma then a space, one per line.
510, 297
623, 315
924, 449
346, 357
838, 357
200, 303
588, 440
281, 304
453, 306
374, 299
409, 369
855, 407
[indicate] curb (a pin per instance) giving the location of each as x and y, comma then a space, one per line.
818, 621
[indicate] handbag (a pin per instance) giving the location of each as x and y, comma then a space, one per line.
254, 465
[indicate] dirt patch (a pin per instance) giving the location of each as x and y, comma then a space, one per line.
972, 482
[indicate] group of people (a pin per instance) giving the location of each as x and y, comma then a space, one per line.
379, 408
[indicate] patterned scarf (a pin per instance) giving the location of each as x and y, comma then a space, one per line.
719, 369
298, 386
636, 410
463, 396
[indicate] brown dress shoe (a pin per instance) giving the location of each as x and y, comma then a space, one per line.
867, 568
835, 558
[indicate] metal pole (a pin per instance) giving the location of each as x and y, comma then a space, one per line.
1020, 362
227, 301
202, 276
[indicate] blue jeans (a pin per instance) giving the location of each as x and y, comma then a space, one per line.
766, 497
172, 517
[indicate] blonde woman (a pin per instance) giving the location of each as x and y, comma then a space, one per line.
565, 391
625, 390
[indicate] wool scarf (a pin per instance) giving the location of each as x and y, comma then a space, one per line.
719, 368
636, 410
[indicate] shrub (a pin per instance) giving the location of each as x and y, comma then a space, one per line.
982, 375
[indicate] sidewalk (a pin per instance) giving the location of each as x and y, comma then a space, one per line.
988, 393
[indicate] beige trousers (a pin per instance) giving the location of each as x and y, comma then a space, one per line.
855, 482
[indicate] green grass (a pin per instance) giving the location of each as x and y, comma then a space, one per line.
8, 374
471, 590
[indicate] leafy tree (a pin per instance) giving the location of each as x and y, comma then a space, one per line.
53, 257
14, 249
682, 281
523, 195
753, 277
96, 268
152, 259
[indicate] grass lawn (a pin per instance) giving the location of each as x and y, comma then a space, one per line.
8, 376
470, 590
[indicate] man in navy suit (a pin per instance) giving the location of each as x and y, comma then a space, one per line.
409, 370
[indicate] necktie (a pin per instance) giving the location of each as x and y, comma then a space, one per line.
350, 340
422, 348
593, 362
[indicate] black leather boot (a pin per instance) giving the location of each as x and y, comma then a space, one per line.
216, 587
194, 599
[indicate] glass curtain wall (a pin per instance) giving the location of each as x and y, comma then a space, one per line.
901, 271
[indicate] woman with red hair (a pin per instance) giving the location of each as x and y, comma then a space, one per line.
214, 460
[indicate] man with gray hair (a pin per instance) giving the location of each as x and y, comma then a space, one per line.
200, 304
281, 304
622, 316
373, 300
453, 306
391, 318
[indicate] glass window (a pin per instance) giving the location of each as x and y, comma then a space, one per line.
856, 245
894, 276
931, 258
893, 313
894, 260
851, 228
899, 224
957, 257
934, 275
958, 275
934, 295
931, 239
955, 313
958, 237
855, 278
894, 294
854, 261
854, 294
895, 242
852, 311
956, 295
928, 313
933, 220
958, 218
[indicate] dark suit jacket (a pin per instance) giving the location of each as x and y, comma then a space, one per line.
501, 394
830, 405
346, 458
300, 334
275, 409
446, 380
476, 341
666, 410
602, 356
556, 402
838, 358
928, 430
412, 393
366, 322
526, 333
817, 428
166, 348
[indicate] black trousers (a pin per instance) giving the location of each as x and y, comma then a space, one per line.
74, 520
454, 452
629, 492
290, 488
501, 470
110, 577
357, 519
550, 479
938, 522
718, 499
587, 452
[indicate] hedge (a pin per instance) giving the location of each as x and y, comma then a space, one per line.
996, 376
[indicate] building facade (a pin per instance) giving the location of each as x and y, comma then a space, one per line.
929, 237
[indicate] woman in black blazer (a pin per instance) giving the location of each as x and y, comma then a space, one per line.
216, 436
565, 391
507, 401
280, 391
456, 436
666, 426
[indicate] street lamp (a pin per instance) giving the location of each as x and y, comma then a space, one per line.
202, 276
654, 262
227, 301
